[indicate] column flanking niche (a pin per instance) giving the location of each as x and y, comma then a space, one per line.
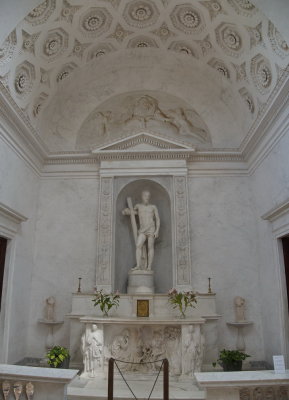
160, 165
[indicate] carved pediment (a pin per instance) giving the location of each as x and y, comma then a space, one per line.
144, 142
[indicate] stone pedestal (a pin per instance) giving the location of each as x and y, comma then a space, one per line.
140, 281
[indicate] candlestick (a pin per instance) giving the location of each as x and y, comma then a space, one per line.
79, 285
209, 288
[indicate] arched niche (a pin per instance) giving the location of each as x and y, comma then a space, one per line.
124, 258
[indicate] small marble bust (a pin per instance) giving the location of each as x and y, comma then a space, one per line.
239, 303
49, 309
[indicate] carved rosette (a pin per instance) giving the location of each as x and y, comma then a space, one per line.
261, 73
187, 19
183, 260
95, 22
104, 249
141, 13
229, 39
183, 48
248, 99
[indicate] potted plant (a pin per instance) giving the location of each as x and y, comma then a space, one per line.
58, 357
231, 360
182, 300
105, 301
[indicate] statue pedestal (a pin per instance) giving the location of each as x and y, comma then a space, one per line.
140, 281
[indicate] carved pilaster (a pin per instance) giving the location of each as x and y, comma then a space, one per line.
105, 229
183, 261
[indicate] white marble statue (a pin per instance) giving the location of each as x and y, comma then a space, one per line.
91, 347
147, 232
50, 309
239, 303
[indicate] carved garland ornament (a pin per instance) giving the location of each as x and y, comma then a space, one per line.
182, 231
141, 14
187, 19
104, 250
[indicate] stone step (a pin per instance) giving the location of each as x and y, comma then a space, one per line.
85, 389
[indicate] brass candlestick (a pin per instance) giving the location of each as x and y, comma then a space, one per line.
79, 285
209, 288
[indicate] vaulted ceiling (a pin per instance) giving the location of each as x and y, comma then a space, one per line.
222, 57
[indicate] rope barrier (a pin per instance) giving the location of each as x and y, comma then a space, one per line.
139, 363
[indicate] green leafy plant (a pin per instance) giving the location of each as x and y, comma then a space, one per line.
182, 300
105, 301
57, 355
231, 357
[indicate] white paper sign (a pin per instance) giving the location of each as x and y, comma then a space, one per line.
279, 364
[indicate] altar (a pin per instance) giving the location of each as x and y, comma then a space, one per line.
189, 344
143, 250
141, 345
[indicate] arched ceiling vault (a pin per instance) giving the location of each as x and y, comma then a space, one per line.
222, 57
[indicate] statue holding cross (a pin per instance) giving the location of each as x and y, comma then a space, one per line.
147, 232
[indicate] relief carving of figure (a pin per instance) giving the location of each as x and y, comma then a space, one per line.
91, 347
172, 343
147, 232
188, 350
239, 303
120, 345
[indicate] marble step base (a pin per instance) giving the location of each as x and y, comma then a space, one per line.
84, 389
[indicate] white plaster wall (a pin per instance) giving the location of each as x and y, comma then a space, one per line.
224, 237
65, 250
19, 191
270, 184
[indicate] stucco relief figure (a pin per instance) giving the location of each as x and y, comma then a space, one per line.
172, 337
239, 303
147, 231
120, 345
91, 347
50, 309
188, 350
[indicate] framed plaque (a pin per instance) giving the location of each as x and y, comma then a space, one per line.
143, 308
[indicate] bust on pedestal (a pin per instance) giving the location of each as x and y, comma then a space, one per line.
141, 277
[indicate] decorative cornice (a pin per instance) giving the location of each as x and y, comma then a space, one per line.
13, 215
277, 212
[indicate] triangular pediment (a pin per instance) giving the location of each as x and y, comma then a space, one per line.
144, 142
